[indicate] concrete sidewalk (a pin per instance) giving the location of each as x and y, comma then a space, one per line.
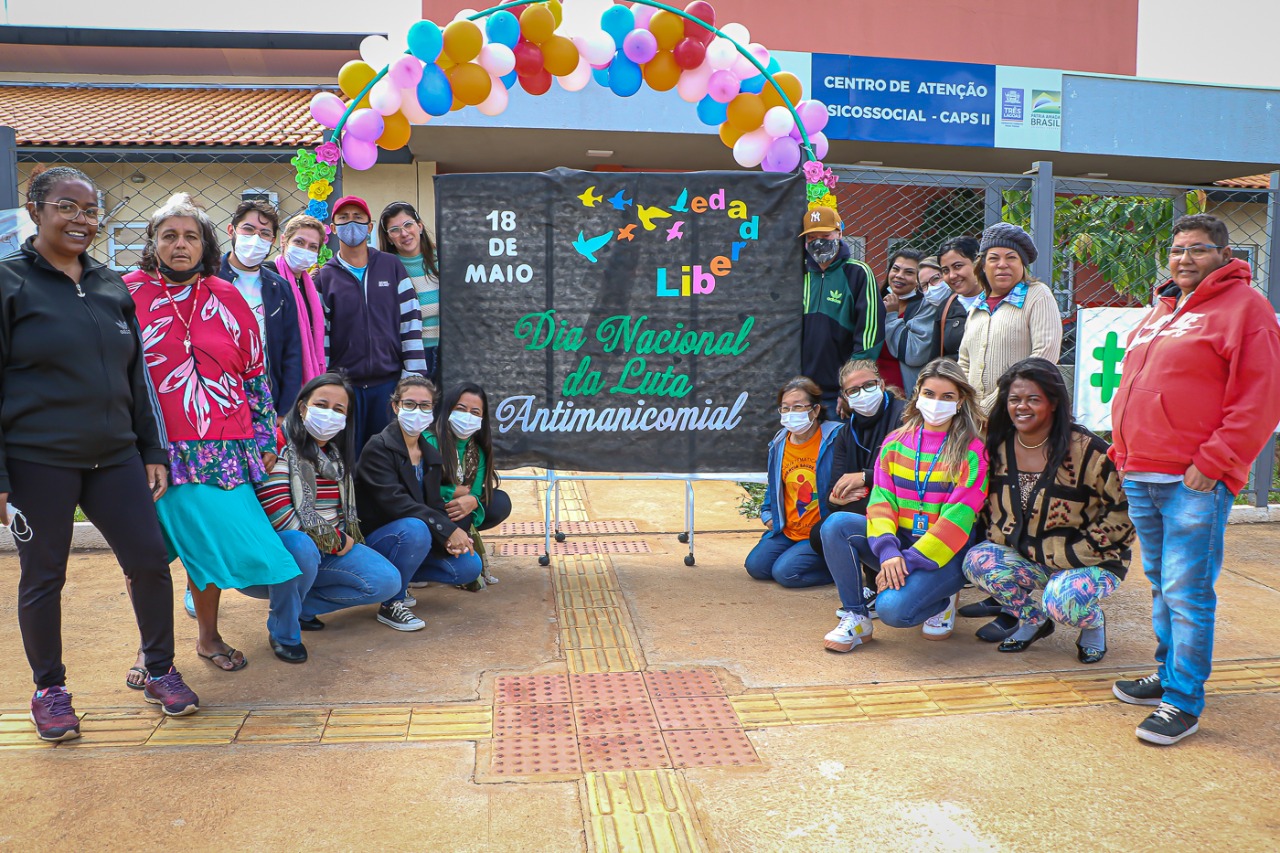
626, 701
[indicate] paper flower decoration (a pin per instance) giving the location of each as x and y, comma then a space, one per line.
813, 171
318, 209
830, 179
328, 153
319, 190
813, 192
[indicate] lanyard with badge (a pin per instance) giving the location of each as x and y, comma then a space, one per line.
920, 521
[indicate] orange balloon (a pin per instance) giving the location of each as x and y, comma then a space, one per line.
537, 23
729, 134
445, 62
559, 56
354, 76
462, 41
457, 105
471, 83
790, 84
662, 73
395, 132
667, 28
745, 112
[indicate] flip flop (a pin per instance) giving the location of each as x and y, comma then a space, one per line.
229, 655
141, 671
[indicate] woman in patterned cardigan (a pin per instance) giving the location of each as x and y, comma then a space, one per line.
1056, 516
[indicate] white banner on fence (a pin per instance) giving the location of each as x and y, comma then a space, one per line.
1101, 335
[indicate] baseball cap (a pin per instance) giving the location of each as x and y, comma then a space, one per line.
352, 199
819, 219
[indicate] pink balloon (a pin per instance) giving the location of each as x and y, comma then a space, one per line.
412, 110
643, 14
365, 124
794, 133
820, 145
813, 114
721, 54
597, 47
750, 148
358, 153
497, 59
327, 108
578, 79
693, 83
640, 46
783, 154
497, 100
760, 52
384, 98
405, 72
723, 87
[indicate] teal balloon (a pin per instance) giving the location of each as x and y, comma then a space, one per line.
712, 112
601, 76
754, 85
617, 21
625, 77
774, 66
510, 79
503, 28
425, 41
435, 94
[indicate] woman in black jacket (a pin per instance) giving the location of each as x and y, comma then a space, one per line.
399, 477
79, 427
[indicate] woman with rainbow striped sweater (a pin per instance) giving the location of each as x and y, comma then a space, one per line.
930, 484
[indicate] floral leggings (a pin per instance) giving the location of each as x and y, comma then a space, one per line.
1072, 597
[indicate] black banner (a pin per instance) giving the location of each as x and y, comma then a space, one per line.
623, 321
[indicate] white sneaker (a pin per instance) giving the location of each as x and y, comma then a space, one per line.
409, 600
419, 584
940, 626
854, 630
489, 579
400, 617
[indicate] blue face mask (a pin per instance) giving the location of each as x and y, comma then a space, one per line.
353, 233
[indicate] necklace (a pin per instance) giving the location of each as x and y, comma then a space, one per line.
1031, 446
191, 317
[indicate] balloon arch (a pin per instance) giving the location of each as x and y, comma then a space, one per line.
735, 83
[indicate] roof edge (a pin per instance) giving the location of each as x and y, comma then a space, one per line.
209, 39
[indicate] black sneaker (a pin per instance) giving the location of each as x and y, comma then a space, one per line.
1144, 691
310, 624
1167, 725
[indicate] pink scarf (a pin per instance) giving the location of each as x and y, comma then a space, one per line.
313, 334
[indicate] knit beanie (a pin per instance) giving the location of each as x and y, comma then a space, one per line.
1006, 235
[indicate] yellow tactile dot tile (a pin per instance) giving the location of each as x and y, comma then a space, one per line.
367, 724
458, 722
281, 725
758, 710
642, 810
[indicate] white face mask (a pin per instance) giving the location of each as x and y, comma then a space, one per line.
464, 424
300, 259
795, 422
323, 424
415, 422
936, 412
866, 402
251, 250
937, 294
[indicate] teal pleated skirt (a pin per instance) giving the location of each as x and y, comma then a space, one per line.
223, 537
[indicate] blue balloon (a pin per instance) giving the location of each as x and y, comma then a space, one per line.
503, 28
754, 85
625, 77
435, 94
774, 66
601, 76
712, 112
425, 41
617, 21
509, 80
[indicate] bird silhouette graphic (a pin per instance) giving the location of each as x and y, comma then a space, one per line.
588, 247
628, 233
619, 202
648, 214
674, 232
589, 197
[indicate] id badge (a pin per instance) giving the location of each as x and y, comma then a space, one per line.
919, 524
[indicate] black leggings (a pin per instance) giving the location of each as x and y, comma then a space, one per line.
118, 502
497, 509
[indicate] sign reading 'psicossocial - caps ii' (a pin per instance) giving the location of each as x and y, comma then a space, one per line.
623, 321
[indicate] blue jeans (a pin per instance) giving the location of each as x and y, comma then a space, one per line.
791, 564
923, 593
442, 567
404, 543
1181, 533
286, 598
363, 575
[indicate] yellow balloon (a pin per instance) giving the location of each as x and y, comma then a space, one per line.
559, 56
790, 84
445, 62
557, 11
457, 105
745, 112
354, 76
667, 28
462, 41
729, 134
395, 132
537, 23
471, 83
662, 73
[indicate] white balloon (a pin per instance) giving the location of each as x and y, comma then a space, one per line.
376, 51
463, 15
497, 59
778, 121
750, 148
597, 47
384, 97
497, 100
693, 83
738, 33
578, 79
721, 54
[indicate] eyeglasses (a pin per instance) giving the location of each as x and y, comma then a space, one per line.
786, 410
71, 211
866, 386
244, 229
414, 405
1196, 252
401, 229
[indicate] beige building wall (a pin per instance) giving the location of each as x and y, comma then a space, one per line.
1247, 224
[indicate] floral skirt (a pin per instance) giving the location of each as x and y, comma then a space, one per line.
223, 537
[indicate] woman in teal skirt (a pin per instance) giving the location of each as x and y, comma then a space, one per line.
204, 357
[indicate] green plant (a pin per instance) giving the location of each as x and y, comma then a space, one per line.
1125, 237
749, 506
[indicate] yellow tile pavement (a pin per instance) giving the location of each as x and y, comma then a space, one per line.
640, 810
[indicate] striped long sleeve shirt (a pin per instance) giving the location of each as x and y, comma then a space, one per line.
951, 503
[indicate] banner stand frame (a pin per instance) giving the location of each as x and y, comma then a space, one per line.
551, 506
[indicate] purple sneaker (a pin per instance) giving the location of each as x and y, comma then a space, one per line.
172, 694
53, 715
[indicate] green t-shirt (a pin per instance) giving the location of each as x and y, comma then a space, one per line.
447, 490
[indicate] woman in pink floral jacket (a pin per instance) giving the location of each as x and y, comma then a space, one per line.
204, 357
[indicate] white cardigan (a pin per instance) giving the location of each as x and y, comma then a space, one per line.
1026, 323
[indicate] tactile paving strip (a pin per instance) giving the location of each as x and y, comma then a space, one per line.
535, 756
683, 682
710, 748
623, 751
531, 720
607, 687
569, 528
696, 712
606, 718
574, 548
530, 689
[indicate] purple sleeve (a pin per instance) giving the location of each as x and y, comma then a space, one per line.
258, 395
